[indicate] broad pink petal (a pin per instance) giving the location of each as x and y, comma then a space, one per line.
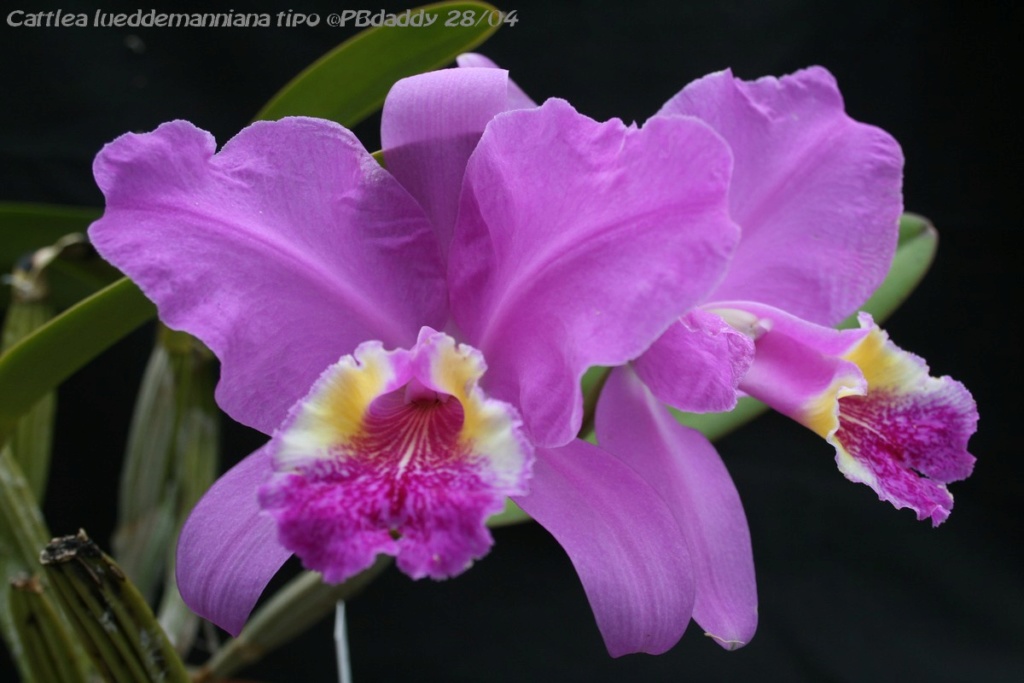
684, 469
429, 127
517, 98
623, 541
228, 549
282, 252
578, 245
697, 364
817, 194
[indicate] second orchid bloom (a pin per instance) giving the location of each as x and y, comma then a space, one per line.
413, 338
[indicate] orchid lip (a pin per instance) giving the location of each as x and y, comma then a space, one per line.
907, 436
396, 452
895, 427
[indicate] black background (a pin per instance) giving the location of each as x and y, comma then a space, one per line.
850, 589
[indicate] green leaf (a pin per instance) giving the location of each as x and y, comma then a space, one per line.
32, 438
512, 514
917, 244
913, 226
44, 359
27, 227
717, 425
350, 82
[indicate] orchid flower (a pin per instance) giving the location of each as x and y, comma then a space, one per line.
817, 196
413, 339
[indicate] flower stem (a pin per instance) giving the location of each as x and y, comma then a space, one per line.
341, 643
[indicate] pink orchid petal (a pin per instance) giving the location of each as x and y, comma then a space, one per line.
282, 252
517, 98
697, 364
430, 125
577, 245
817, 194
623, 542
685, 471
228, 549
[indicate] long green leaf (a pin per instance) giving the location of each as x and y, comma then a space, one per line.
350, 82
32, 438
41, 361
